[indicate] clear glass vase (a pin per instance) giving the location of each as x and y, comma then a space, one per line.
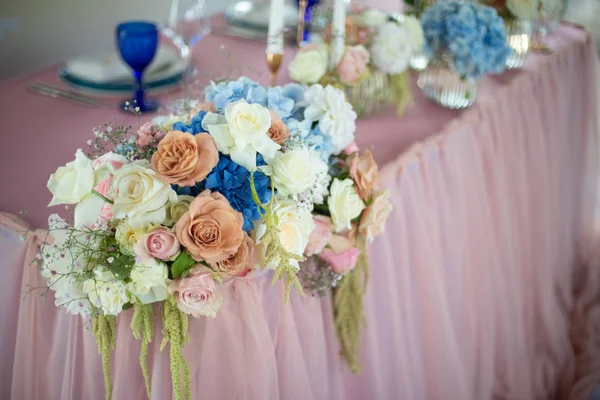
442, 84
370, 95
518, 35
418, 61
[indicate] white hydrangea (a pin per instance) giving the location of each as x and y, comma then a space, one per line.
335, 115
105, 291
525, 9
149, 281
392, 48
61, 267
415, 32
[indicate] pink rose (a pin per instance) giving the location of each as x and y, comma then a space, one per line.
160, 243
372, 219
197, 294
352, 148
105, 215
320, 235
148, 133
341, 255
110, 160
353, 64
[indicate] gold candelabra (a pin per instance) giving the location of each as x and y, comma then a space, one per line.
274, 63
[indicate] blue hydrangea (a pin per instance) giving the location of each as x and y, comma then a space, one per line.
195, 125
285, 101
473, 34
233, 181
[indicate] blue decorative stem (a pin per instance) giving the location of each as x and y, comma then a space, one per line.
138, 94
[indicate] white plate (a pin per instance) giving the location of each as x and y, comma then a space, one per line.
249, 14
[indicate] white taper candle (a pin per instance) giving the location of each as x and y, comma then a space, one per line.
275, 38
338, 33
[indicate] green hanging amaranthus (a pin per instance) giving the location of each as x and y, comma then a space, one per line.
142, 327
348, 308
175, 331
104, 328
400, 90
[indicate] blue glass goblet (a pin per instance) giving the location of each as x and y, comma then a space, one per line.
137, 42
307, 5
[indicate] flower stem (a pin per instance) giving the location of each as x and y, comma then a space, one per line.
106, 199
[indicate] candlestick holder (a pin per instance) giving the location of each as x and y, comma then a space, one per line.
302, 4
274, 63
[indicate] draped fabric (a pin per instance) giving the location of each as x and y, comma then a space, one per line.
485, 286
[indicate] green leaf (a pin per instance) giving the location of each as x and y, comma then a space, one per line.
122, 266
182, 264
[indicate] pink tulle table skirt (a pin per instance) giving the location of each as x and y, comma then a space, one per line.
485, 285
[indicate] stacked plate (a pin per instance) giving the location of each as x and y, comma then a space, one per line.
108, 74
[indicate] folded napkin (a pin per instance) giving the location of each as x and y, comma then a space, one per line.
109, 67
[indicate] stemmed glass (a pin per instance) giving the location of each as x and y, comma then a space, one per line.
187, 24
137, 42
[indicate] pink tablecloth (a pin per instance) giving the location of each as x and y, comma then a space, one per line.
485, 285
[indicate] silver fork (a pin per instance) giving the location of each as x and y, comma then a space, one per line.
63, 94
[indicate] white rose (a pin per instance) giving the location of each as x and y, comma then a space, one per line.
69, 184
61, 267
167, 122
526, 9
127, 237
295, 226
242, 132
415, 32
392, 48
294, 171
140, 195
308, 66
334, 114
106, 165
149, 281
176, 209
344, 204
106, 292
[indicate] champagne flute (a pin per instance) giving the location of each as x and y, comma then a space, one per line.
137, 42
187, 24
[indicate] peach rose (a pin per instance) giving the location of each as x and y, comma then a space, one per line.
211, 230
373, 218
363, 170
353, 64
184, 159
320, 235
278, 132
239, 264
341, 255
197, 294
354, 34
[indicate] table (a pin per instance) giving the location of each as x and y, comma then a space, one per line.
485, 285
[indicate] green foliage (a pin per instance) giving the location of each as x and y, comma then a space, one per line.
400, 89
122, 265
182, 265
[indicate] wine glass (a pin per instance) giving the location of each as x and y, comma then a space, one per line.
187, 24
137, 42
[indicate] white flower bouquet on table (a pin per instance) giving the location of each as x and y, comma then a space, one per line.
377, 44
253, 178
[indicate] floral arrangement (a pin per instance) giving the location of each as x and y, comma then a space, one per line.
167, 216
375, 41
471, 36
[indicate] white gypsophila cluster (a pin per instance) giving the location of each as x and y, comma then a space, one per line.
63, 264
392, 48
336, 118
105, 291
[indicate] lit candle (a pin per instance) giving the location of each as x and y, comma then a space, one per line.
275, 38
338, 33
